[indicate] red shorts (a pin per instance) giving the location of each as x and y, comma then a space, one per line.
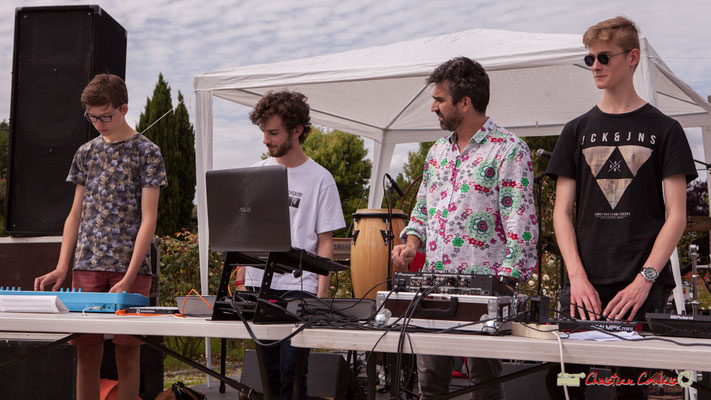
103, 281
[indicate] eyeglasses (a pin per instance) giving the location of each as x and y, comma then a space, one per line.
103, 118
602, 58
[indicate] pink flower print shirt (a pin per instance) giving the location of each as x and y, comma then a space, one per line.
474, 210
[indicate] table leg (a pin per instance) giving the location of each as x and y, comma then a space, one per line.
370, 372
266, 388
296, 389
223, 362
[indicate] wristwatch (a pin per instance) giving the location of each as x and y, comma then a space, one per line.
649, 274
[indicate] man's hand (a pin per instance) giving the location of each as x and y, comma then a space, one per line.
124, 285
403, 255
55, 277
628, 300
583, 296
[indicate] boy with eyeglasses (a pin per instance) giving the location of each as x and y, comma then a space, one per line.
118, 176
622, 170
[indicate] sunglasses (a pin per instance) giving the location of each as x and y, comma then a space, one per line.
602, 58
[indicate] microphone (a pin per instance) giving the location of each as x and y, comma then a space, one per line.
543, 153
395, 186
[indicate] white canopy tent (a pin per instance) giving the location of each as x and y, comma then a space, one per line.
538, 83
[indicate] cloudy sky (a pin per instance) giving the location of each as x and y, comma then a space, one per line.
182, 38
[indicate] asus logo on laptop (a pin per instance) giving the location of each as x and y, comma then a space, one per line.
245, 209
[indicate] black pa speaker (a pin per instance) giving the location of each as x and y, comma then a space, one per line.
57, 51
329, 376
49, 375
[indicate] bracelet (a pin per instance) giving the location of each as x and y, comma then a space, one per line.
237, 283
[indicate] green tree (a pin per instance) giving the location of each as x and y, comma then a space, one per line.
185, 175
697, 204
411, 173
4, 143
175, 136
344, 155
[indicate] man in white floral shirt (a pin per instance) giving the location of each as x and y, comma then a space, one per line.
474, 210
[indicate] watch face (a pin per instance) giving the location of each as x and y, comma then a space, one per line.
649, 273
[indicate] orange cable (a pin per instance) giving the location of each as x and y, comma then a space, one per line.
185, 300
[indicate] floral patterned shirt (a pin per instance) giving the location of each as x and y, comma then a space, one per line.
474, 209
114, 175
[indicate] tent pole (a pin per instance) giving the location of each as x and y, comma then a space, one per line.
644, 77
203, 163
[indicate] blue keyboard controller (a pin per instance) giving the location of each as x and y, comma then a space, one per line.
78, 301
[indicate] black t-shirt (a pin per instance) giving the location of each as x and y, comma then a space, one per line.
618, 162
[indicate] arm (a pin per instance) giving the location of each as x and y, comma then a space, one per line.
518, 213
324, 248
149, 217
403, 254
630, 299
69, 242
240, 276
582, 292
415, 233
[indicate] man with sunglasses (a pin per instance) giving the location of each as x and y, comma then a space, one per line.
622, 170
118, 177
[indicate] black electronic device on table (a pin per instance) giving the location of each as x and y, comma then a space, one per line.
456, 301
457, 312
248, 216
684, 325
453, 283
580, 325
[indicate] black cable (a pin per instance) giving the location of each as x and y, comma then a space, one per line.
414, 303
390, 327
274, 343
401, 339
389, 229
362, 298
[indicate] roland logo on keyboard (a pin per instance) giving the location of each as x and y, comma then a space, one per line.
681, 316
245, 209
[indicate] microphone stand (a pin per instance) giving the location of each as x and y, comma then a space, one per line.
694, 255
389, 236
539, 246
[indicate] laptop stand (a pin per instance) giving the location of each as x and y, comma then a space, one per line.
265, 306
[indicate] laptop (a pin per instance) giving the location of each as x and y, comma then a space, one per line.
248, 212
248, 209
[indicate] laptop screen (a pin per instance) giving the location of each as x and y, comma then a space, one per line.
248, 209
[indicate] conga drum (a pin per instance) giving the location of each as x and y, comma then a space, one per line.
369, 250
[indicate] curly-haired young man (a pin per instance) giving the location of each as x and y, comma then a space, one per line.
314, 210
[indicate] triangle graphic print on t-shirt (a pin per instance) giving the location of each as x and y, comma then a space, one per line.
615, 167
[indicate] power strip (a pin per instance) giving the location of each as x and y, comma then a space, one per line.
534, 331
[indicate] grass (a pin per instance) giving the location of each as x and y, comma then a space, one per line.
176, 371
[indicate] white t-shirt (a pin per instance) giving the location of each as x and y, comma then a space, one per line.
314, 208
